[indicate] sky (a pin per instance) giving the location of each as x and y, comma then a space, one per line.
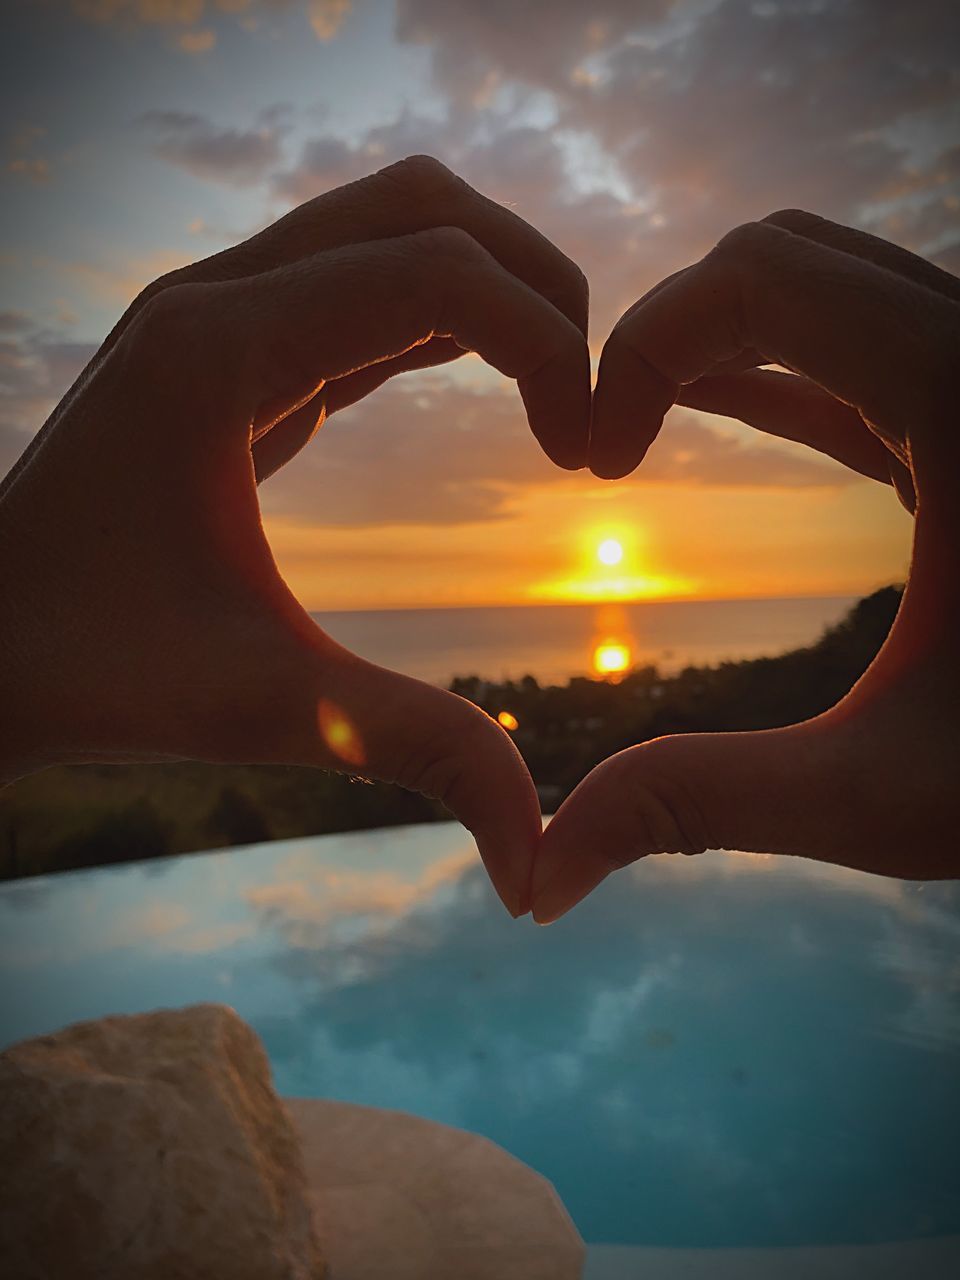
138, 135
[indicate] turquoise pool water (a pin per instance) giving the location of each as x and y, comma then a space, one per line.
723, 1051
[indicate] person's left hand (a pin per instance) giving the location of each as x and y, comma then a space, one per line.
870, 335
145, 618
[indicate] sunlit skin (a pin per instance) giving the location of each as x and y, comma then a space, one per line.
871, 334
144, 617
143, 614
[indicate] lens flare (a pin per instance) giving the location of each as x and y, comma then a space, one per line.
340, 734
508, 720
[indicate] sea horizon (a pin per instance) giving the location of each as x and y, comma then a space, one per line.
556, 641
593, 604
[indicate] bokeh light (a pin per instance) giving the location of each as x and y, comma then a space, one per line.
340, 734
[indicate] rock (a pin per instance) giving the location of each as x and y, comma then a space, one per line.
400, 1198
152, 1146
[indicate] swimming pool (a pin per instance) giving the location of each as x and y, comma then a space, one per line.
728, 1051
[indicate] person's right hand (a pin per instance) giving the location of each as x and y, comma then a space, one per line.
872, 336
143, 615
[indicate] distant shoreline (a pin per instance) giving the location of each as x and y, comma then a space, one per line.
90, 815
594, 604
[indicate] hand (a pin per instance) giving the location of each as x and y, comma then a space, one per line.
872, 335
145, 618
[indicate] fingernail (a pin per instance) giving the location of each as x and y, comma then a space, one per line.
516, 900
504, 867
574, 880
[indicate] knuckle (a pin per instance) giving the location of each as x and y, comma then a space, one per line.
422, 175
443, 769
452, 242
744, 241
455, 248
797, 220
168, 330
163, 314
662, 802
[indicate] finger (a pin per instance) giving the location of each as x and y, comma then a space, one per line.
875, 340
275, 446
656, 798
413, 195
435, 743
284, 334
806, 790
860, 244
744, 360
313, 703
793, 408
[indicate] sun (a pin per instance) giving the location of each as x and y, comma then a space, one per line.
610, 551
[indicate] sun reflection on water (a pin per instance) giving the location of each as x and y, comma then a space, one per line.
611, 658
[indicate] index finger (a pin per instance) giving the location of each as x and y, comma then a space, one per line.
872, 338
415, 194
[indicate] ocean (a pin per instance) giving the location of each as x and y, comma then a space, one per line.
554, 642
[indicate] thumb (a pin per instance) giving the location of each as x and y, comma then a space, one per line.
779, 790
323, 706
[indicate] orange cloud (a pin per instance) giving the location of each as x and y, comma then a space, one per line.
198, 41
326, 17
117, 284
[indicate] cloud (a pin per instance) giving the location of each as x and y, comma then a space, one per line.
198, 41
119, 283
325, 17
35, 168
644, 1038
229, 155
478, 47
36, 368
717, 114
24, 163
529, 169
15, 322
324, 163
148, 12
433, 452
318, 901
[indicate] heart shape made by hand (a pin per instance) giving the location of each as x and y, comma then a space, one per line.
148, 620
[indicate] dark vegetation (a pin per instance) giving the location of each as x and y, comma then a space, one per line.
94, 814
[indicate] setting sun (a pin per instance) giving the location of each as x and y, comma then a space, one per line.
610, 551
611, 568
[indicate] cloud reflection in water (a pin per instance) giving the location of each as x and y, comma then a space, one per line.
727, 1050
